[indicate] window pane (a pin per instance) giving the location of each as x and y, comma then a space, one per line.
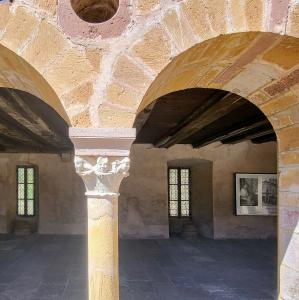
173, 176
173, 192
21, 175
173, 208
185, 208
30, 207
30, 191
30, 175
21, 207
21, 191
185, 176
184, 192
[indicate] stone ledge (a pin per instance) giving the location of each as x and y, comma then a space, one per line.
102, 141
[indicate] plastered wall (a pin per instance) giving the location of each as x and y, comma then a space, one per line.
61, 200
143, 203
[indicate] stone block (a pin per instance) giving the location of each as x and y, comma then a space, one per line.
289, 181
94, 56
196, 14
80, 95
4, 15
81, 120
121, 95
70, 71
289, 283
289, 158
254, 12
48, 5
237, 12
154, 50
126, 71
284, 54
288, 138
113, 117
45, 47
179, 29
216, 12
293, 20
20, 27
279, 104
146, 6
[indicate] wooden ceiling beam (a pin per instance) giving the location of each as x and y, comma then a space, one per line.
249, 136
264, 139
14, 106
236, 130
217, 106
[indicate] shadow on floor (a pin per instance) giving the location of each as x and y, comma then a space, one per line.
43, 267
201, 269
55, 268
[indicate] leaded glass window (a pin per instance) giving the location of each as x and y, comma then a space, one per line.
179, 192
26, 187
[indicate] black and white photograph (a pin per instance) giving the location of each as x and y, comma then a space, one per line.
269, 188
256, 194
248, 191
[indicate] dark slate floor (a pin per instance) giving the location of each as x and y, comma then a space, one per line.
54, 267
201, 269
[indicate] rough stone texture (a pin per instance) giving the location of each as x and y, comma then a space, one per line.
279, 15
19, 29
143, 195
196, 13
4, 12
284, 54
79, 96
154, 50
82, 119
279, 104
48, 5
69, 72
238, 15
113, 117
118, 94
145, 6
293, 19
46, 46
125, 68
254, 10
61, 207
179, 29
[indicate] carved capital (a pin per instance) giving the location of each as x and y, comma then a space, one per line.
102, 175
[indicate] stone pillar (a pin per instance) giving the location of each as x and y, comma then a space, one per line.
101, 159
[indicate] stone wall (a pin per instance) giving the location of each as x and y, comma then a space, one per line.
143, 200
61, 199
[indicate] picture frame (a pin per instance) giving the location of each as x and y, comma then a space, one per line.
256, 194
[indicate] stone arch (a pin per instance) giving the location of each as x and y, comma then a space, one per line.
47, 56
16, 73
175, 28
264, 68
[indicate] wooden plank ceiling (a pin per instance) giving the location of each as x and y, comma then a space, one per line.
27, 124
200, 117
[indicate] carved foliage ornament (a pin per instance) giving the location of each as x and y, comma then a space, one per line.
102, 176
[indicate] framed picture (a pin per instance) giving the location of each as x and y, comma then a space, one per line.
256, 194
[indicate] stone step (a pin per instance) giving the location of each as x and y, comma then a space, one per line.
22, 228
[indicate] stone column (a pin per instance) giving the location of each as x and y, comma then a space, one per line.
101, 159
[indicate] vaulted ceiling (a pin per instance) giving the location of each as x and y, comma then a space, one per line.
27, 124
200, 117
